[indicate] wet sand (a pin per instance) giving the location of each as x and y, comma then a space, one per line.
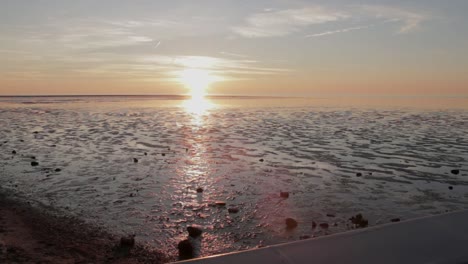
36, 234
135, 166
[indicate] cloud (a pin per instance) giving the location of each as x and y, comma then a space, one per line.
284, 22
276, 23
331, 32
410, 20
226, 68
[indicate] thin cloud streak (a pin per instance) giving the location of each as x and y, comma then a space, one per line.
411, 20
279, 23
285, 22
331, 32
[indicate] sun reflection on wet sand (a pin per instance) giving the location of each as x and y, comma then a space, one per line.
198, 107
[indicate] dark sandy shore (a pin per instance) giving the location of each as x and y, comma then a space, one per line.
37, 234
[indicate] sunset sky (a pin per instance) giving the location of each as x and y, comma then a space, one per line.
257, 47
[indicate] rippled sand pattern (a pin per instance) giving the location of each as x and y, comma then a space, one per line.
242, 156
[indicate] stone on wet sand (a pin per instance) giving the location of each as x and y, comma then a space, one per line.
324, 225
185, 249
127, 241
199, 190
194, 231
358, 174
233, 210
331, 215
456, 172
284, 194
34, 163
450, 187
261, 160
220, 203
359, 221
58, 170
304, 237
13, 152
135, 160
394, 220
314, 225
291, 223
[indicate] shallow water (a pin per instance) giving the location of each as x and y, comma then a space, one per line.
240, 151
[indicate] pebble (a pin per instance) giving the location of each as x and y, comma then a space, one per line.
304, 237
220, 203
394, 220
284, 194
359, 221
314, 225
324, 225
34, 163
13, 152
233, 210
450, 187
194, 231
58, 170
128, 241
330, 215
456, 172
358, 174
261, 160
199, 190
185, 249
291, 223
135, 160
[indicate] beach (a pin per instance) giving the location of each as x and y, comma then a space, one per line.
237, 168
32, 233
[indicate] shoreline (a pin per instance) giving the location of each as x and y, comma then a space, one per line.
37, 234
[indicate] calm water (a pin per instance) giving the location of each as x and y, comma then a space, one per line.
242, 151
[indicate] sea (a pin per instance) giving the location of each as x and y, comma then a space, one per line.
237, 167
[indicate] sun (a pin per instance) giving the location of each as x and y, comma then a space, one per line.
197, 80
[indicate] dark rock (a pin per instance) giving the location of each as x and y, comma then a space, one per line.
58, 170
33, 157
370, 173
199, 190
163, 154
128, 241
261, 160
358, 174
34, 163
135, 160
304, 237
314, 225
284, 194
194, 231
185, 249
331, 215
395, 220
359, 221
36, 132
450, 187
146, 154
13, 152
291, 223
456, 172
233, 210
220, 203
324, 225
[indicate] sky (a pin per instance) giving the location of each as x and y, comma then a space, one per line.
237, 47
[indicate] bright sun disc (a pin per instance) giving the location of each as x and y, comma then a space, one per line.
197, 80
